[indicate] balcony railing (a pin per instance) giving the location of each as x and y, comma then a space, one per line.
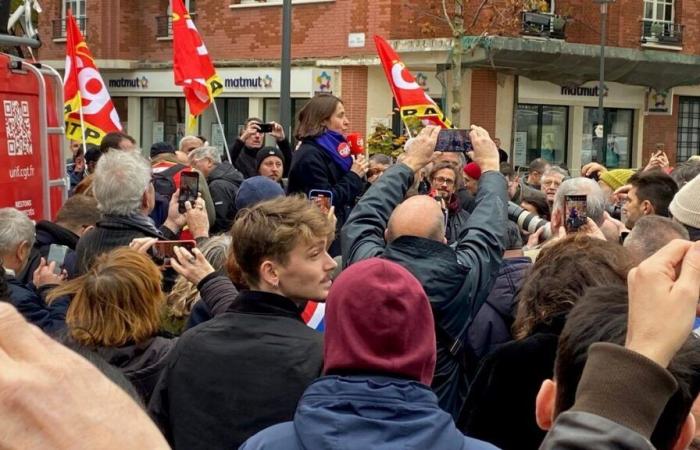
544, 25
59, 27
164, 25
662, 32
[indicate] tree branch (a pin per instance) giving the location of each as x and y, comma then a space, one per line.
478, 13
447, 16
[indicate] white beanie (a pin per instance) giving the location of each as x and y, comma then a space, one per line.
685, 206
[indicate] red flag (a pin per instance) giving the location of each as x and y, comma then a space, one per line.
83, 86
412, 100
192, 66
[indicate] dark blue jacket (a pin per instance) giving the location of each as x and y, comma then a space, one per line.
491, 326
366, 412
50, 318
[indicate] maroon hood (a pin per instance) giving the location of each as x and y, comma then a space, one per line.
378, 320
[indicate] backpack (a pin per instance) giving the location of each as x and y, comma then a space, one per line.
165, 186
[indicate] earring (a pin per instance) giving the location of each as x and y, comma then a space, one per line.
276, 284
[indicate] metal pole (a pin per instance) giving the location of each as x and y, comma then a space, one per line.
286, 68
601, 80
218, 119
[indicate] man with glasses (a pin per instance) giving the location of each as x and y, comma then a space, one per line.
444, 180
552, 178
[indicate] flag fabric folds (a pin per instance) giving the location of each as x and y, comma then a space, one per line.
192, 66
410, 97
83, 86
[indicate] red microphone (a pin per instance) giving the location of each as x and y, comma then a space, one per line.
357, 143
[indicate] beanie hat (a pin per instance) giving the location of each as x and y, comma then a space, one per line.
685, 206
265, 153
472, 170
379, 320
255, 190
616, 178
161, 147
93, 154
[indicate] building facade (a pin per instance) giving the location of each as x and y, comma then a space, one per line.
529, 68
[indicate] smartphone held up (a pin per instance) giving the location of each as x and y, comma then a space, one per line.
322, 199
454, 140
576, 212
164, 251
189, 190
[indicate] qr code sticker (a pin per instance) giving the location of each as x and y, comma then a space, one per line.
18, 128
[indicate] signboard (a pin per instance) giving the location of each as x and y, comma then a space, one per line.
158, 132
217, 138
659, 102
520, 148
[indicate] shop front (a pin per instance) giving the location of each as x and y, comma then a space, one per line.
153, 109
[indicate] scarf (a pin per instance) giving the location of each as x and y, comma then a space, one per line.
335, 145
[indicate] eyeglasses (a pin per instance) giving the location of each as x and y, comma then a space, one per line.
549, 183
442, 180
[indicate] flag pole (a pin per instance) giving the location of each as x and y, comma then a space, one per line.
82, 125
218, 119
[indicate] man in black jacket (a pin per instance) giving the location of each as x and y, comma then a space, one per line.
246, 147
223, 180
457, 280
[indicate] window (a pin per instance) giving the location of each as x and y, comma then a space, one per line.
658, 11
233, 112
162, 120
658, 23
272, 114
77, 7
542, 132
164, 24
609, 143
688, 128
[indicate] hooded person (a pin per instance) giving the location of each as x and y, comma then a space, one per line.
379, 359
685, 208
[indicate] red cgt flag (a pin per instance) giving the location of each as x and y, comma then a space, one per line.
410, 96
192, 66
83, 87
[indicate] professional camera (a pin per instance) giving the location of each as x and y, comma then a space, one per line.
527, 221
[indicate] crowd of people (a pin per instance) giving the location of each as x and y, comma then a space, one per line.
411, 311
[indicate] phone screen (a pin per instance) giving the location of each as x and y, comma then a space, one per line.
322, 199
163, 251
265, 127
453, 140
576, 212
57, 254
189, 189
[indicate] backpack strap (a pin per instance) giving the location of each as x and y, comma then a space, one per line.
172, 170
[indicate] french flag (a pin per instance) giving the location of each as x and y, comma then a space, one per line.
313, 315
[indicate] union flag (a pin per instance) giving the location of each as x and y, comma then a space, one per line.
192, 66
83, 86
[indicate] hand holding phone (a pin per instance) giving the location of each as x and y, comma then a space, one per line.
265, 127
453, 140
57, 254
163, 251
322, 199
189, 190
576, 212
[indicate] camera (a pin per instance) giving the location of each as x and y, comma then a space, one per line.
527, 221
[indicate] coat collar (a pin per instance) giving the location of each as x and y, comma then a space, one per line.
265, 303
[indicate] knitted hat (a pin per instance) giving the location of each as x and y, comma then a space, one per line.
685, 206
161, 147
472, 170
265, 153
93, 154
379, 321
616, 178
255, 190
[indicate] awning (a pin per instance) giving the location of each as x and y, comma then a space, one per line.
566, 63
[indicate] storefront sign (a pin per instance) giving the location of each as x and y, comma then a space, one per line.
249, 82
583, 91
323, 82
616, 95
135, 83
520, 149
659, 102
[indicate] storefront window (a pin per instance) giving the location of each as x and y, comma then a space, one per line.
541, 133
272, 114
121, 104
609, 143
233, 112
162, 120
688, 128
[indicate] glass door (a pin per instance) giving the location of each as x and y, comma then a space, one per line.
609, 143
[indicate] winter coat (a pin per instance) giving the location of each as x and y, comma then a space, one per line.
492, 324
457, 281
224, 182
245, 162
47, 233
512, 376
366, 412
456, 220
312, 168
236, 374
30, 303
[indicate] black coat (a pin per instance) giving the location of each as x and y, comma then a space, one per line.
224, 182
312, 168
47, 233
505, 389
457, 280
236, 374
245, 162
30, 303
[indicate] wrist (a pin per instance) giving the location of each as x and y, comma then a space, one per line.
413, 163
172, 225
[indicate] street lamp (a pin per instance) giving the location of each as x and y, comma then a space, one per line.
601, 80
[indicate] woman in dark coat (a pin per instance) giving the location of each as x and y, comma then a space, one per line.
323, 161
500, 406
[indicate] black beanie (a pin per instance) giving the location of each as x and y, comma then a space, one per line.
265, 153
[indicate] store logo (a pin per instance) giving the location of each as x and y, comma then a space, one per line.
581, 91
323, 83
136, 83
246, 82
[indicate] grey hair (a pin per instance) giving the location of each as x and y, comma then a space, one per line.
205, 152
15, 228
650, 233
185, 139
595, 197
121, 178
558, 170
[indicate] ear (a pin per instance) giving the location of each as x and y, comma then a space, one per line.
22, 251
86, 229
686, 435
544, 405
556, 219
647, 208
268, 273
386, 235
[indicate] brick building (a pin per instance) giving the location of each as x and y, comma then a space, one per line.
529, 67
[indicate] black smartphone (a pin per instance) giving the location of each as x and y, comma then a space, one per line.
576, 212
453, 140
57, 254
322, 199
189, 190
266, 127
163, 252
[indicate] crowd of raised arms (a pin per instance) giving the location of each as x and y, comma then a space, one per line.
318, 299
